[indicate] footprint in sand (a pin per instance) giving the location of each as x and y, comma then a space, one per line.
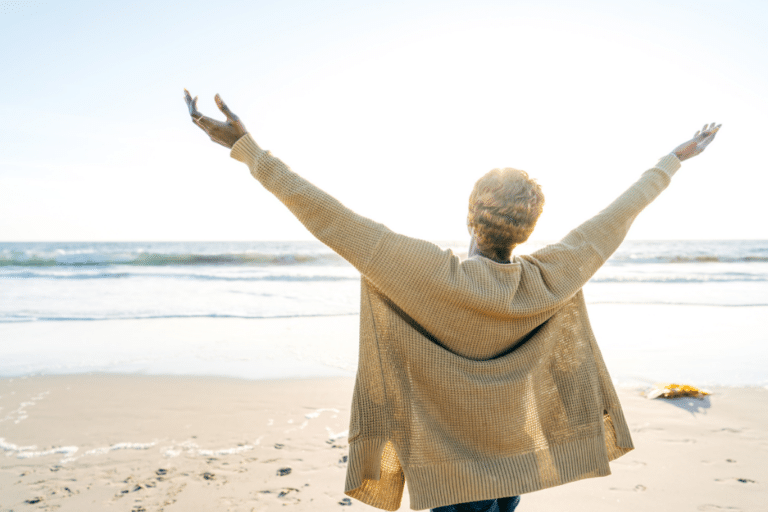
637, 488
645, 428
735, 480
285, 494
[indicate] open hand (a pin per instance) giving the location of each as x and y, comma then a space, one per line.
225, 134
698, 143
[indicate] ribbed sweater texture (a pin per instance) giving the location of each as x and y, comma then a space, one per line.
476, 380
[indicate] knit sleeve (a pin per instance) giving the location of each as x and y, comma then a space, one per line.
567, 265
352, 236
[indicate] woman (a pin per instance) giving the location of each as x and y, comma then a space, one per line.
478, 379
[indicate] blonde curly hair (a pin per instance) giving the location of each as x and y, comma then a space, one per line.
503, 209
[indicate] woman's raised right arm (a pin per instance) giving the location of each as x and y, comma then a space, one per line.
352, 236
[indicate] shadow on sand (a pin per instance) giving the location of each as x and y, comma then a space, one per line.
692, 405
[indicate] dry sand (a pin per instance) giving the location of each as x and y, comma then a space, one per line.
201, 443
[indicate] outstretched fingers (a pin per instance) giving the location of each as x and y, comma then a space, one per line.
707, 137
710, 136
225, 133
707, 131
225, 109
711, 130
191, 103
192, 106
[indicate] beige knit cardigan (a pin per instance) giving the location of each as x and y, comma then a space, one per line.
476, 379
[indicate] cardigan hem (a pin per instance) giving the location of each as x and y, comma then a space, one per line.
374, 475
449, 483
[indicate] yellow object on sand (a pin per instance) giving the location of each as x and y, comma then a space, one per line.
676, 391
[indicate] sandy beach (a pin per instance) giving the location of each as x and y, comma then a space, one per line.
129, 442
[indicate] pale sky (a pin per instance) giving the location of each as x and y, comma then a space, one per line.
394, 107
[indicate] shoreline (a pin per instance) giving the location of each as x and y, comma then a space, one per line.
210, 443
636, 388
704, 346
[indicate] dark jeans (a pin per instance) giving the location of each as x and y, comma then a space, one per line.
497, 505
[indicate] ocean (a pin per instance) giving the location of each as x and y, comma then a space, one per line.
50, 282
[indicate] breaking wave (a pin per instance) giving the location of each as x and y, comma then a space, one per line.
96, 259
